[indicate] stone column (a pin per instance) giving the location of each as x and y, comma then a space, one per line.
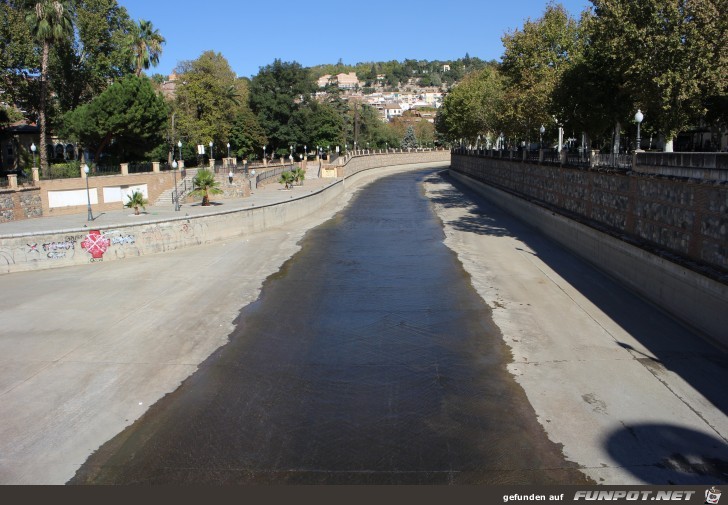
13, 181
540, 155
124, 169
155, 166
181, 164
36, 175
212, 164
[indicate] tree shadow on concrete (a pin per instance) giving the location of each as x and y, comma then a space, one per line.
673, 347
478, 221
668, 454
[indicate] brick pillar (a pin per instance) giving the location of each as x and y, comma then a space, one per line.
124, 169
155, 166
36, 175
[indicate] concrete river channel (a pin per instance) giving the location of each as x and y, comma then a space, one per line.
368, 359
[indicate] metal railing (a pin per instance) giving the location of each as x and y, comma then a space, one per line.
620, 161
582, 160
99, 170
140, 167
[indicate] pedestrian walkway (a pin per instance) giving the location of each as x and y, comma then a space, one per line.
268, 194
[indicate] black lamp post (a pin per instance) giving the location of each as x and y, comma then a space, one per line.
179, 144
33, 148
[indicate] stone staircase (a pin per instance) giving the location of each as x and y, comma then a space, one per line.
165, 199
313, 169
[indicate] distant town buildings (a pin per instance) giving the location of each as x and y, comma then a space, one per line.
343, 81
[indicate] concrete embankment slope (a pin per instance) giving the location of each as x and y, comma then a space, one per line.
121, 235
697, 300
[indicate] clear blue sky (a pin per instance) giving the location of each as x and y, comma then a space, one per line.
251, 34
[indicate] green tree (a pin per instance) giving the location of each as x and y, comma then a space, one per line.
409, 141
246, 135
209, 97
473, 107
663, 56
85, 65
320, 124
136, 200
145, 44
131, 112
18, 58
534, 59
276, 94
50, 22
204, 185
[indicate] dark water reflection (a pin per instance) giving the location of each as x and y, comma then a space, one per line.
368, 359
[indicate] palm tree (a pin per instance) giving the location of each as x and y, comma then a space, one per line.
287, 179
136, 200
145, 43
50, 22
204, 184
299, 175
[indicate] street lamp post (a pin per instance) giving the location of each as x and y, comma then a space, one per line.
211, 155
228, 146
540, 141
638, 117
264, 154
33, 148
179, 145
175, 196
88, 193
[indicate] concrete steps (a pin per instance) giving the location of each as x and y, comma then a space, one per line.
166, 200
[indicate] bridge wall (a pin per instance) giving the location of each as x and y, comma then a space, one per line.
21, 252
699, 301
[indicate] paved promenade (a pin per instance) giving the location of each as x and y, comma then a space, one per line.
267, 194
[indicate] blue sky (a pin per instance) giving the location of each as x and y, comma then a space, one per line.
251, 34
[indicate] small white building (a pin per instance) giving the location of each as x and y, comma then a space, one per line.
392, 110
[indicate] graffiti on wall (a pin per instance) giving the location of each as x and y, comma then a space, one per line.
96, 244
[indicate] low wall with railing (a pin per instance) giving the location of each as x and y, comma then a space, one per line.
704, 166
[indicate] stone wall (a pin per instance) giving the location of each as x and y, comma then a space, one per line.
688, 218
20, 203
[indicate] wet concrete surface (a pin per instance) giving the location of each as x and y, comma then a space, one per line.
368, 359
